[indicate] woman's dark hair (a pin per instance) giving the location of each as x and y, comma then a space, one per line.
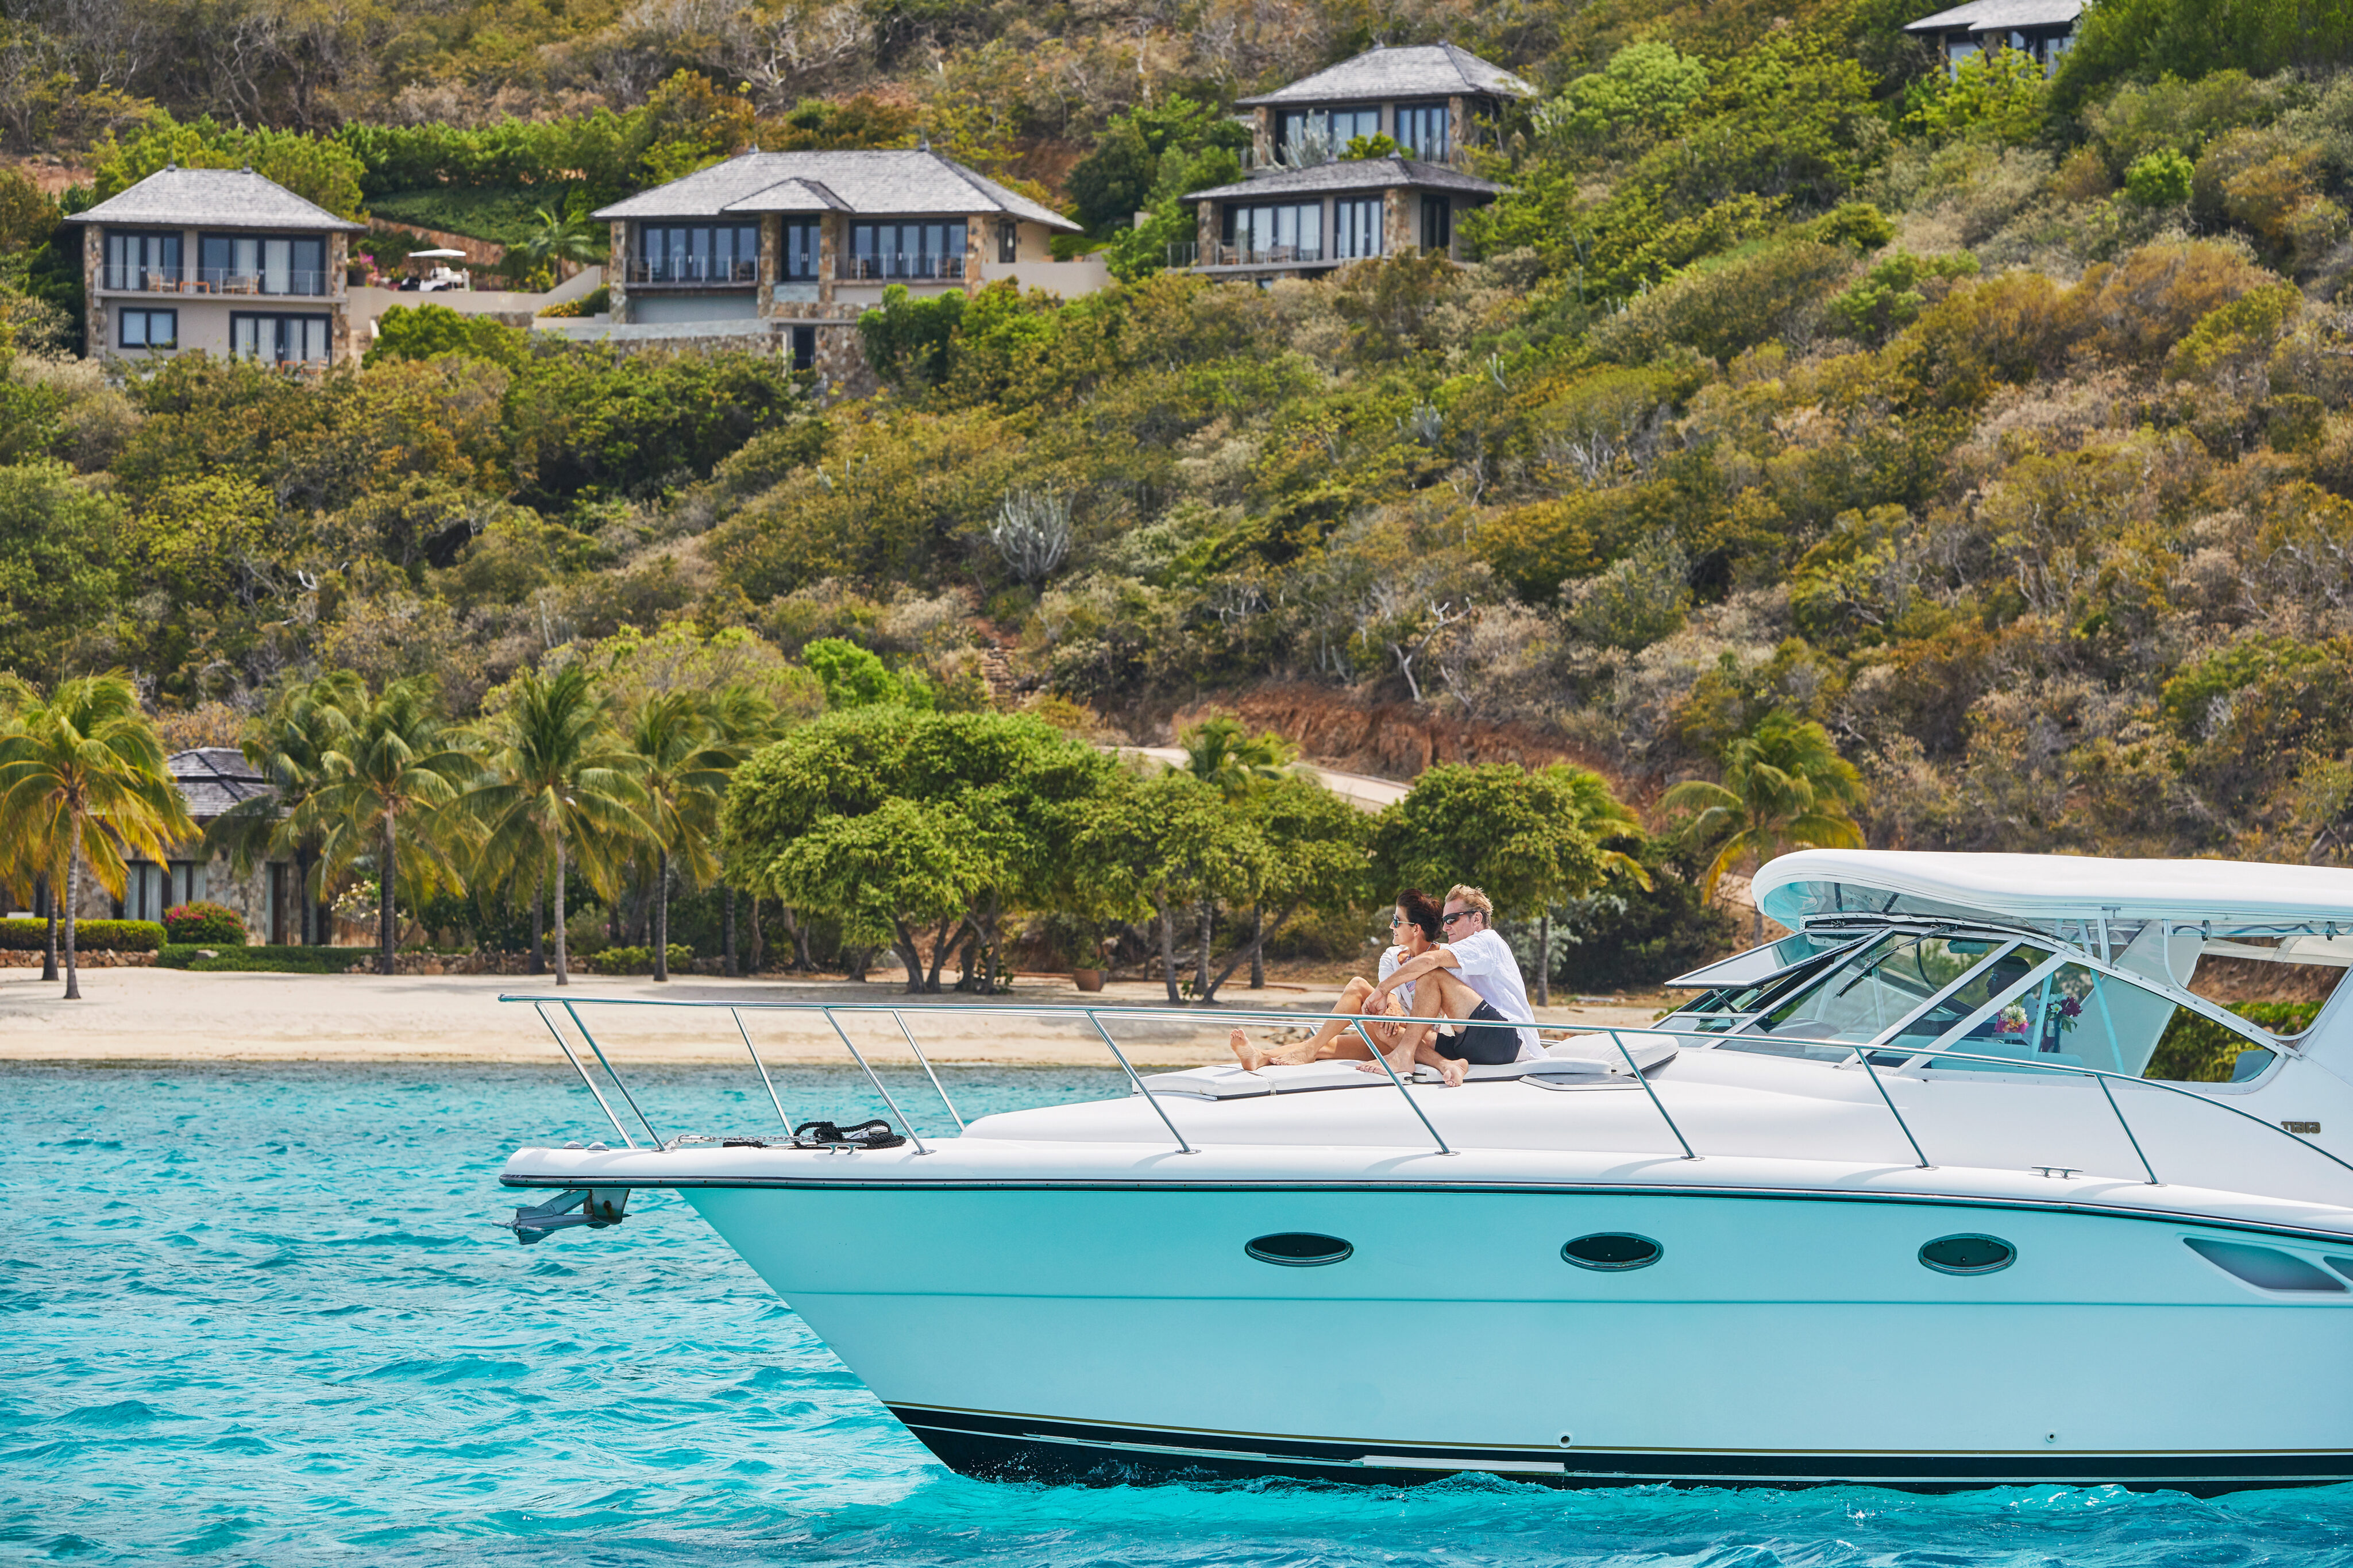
1424, 911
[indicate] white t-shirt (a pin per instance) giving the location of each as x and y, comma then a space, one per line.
1389, 962
1484, 963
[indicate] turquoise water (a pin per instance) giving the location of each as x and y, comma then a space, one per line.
263, 1316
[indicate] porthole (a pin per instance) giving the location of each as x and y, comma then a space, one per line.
1299, 1249
2265, 1267
1968, 1254
1612, 1249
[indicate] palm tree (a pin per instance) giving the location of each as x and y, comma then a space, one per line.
683, 765
1784, 788
391, 760
559, 236
1221, 753
289, 745
88, 754
556, 784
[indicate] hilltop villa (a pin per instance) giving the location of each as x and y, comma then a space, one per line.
801, 243
1307, 208
2043, 29
220, 260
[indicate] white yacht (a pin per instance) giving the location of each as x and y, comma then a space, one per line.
1962, 1185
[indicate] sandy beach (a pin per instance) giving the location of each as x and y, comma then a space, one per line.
158, 1015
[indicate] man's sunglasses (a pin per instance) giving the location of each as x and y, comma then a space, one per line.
1457, 915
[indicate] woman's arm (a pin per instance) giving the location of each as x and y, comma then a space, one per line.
1413, 969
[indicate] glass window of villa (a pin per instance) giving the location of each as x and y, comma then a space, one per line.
136, 261
1436, 225
800, 252
261, 264
1296, 131
279, 340
150, 330
1422, 129
1356, 227
933, 249
700, 253
1292, 231
2079, 1013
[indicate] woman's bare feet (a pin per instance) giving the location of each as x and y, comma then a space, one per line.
1252, 1056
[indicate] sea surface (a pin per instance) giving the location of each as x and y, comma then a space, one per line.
265, 1316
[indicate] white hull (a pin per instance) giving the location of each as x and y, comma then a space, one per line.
1780, 1339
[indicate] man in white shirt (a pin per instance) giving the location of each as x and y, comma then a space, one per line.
1472, 979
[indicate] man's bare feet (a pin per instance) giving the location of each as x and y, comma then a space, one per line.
1453, 1071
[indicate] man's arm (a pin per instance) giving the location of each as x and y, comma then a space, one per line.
1406, 974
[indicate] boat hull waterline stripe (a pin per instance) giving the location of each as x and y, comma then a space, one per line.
993, 1447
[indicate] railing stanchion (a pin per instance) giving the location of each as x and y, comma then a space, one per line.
1863, 1055
1137, 1078
898, 1018
1656, 1104
618, 1082
913, 1137
586, 1083
763, 1067
2146, 1168
1411, 1104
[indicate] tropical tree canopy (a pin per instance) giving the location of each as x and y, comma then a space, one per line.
1784, 788
82, 781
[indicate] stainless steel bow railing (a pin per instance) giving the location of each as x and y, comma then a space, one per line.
1095, 1015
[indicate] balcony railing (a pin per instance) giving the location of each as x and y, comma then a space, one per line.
215, 281
1185, 254
695, 270
904, 264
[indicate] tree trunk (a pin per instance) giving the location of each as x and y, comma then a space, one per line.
756, 934
1202, 954
911, 954
385, 935
1168, 952
48, 896
73, 898
803, 963
538, 916
661, 914
727, 923
563, 956
1258, 947
1544, 959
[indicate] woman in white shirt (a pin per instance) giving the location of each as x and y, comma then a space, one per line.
1414, 926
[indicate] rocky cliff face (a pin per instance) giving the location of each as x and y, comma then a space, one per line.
1391, 740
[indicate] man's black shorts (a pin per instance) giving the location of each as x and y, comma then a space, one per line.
1489, 1044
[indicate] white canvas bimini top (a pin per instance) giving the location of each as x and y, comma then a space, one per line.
2049, 891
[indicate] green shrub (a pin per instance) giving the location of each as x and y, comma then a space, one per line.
270, 960
208, 923
640, 959
90, 936
594, 303
2159, 179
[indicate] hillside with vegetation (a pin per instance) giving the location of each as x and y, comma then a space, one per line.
1981, 438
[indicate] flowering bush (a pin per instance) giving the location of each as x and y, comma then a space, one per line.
205, 922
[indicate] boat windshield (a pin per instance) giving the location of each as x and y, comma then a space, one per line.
1988, 995
1917, 984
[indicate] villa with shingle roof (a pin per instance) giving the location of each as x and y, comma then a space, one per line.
269, 897
1307, 208
2043, 29
795, 246
223, 261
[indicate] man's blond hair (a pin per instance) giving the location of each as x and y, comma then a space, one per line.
1459, 894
